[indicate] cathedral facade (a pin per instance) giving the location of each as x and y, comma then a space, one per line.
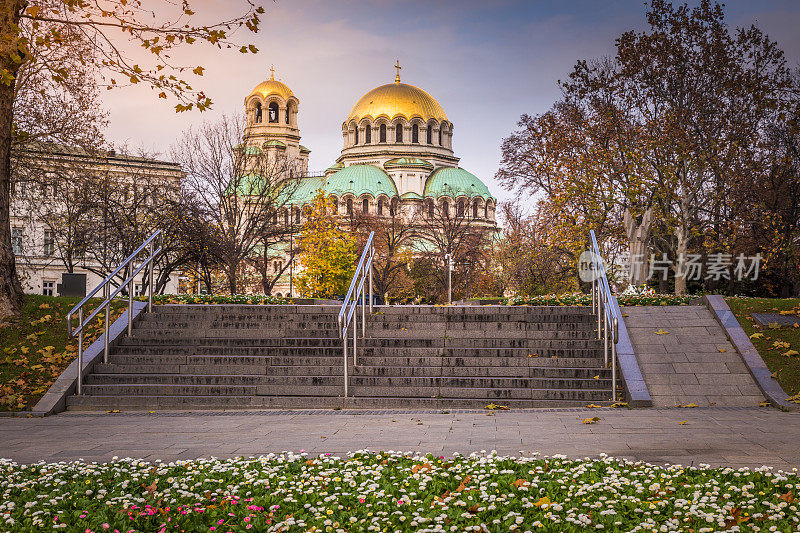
397, 158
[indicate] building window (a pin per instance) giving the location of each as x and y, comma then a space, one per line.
414, 133
383, 133
446, 209
398, 133
460, 210
429, 136
137, 289
356, 141
259, 112
296, 216
48, 288
380, 206
49, 243
486, 211
286, 218
430, 208
277, 266
273, 112
440, 137
365, 206
393, 206
475, 209
368, 134
349, 207
288, 112
16, 240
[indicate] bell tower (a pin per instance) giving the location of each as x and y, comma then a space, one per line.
272, 110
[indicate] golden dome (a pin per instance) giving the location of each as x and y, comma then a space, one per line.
272, 86
395, 99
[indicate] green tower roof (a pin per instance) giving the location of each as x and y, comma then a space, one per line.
455, 182
408, 162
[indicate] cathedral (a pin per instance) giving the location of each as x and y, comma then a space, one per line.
397, 157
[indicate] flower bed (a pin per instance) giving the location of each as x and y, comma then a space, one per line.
393, 492
208, 299
577, 298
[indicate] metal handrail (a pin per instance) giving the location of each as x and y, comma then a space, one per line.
604, 304
108, 295
348, 313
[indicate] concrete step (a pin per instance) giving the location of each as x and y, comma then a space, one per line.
146, 403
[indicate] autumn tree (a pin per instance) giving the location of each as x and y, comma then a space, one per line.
328, 253
244, 191
114, 32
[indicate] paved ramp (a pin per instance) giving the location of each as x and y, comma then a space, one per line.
693, 362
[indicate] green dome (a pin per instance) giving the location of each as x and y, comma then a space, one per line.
360, 179
455, 182
304, 149
249, 150
279, 144
408, 162
410, 195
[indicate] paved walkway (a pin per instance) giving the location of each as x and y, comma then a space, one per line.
719, 436
693, 362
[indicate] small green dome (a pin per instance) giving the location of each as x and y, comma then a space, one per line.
249, 149
279, 144
304, 150
455, 182
360, 179
408, 162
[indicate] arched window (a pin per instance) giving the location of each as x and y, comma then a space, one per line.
356, 141
380, 206
275, 218
349, 207
286, 218
431, 207
486, 211
365, 206
440, 136
398, 133
414, 133
429, 136
383, 133
460, 208
259, 112
296, 216
368, 134
446, 209
273, 112
288, 112
393, 206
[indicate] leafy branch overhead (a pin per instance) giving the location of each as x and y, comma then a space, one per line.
117, 28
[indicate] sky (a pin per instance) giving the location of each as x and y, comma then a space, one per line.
486, 62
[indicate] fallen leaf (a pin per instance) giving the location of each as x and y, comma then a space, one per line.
543, 502
592, 420
593, 406
722, 350
757, 336
683, 423
764, 404
493, 407
596, 377
690, 405
790, 353
662, 332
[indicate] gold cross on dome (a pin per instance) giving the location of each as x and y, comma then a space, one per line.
272, 72
398, 67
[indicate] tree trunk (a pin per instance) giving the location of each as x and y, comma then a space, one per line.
638, 232
10, 287
682, 237
232, 279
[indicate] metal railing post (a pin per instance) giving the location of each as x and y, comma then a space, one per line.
614, 363
371, 295
344, 351
130, 305
355, 334
599, 311
449, 278
605, 337
364, 310
80, 352
150, 281
592, 293
108, 320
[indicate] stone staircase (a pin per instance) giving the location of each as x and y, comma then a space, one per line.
245, 357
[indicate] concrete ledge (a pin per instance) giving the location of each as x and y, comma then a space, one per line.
55, 399
758, 369
635, 387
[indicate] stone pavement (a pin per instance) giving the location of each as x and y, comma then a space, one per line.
720, 436
693, 363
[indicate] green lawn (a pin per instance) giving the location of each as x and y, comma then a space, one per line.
771, 342
35, 349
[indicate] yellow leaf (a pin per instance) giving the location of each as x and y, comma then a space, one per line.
198, 71
683, 423
593, 406
543, 502
44, 306
493, 407
591, 420
690, 405
722, 350
617, 405
764, 404
662, 332
757, 336
24, 349
790, 353
113, 411
596, 377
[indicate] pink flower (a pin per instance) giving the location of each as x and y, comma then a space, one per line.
362, 500
106, 526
